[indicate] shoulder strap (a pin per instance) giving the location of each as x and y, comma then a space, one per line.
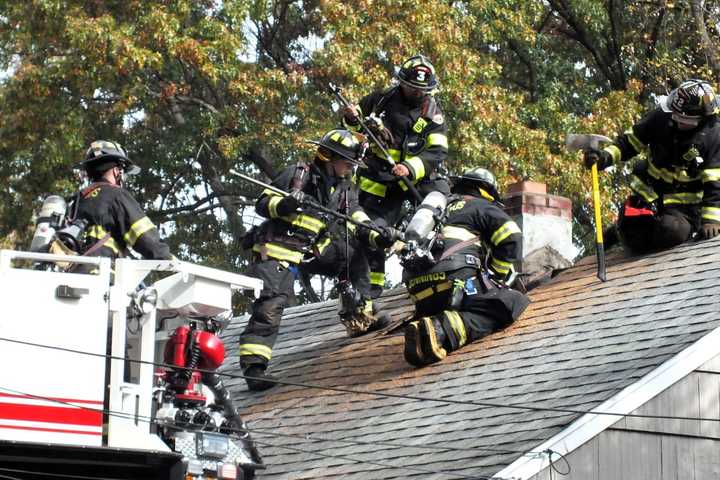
457, 247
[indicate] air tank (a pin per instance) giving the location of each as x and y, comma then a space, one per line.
423, 222
52, 214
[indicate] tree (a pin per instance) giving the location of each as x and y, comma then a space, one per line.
195, 88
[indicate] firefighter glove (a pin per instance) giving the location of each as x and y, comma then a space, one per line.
351, 116
291, 203
388, 237
710, 230
601, 157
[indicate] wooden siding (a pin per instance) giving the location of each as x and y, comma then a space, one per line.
657, 449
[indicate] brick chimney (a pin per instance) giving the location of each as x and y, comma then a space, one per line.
546, 223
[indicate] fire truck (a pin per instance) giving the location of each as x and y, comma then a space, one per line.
106, 375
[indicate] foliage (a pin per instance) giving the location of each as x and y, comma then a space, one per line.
194, 88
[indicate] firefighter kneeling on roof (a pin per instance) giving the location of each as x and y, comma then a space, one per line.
457, 299
298, 238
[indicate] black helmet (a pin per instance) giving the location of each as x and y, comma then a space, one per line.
691, 101
475, 178
341, 143
103, 155
417, 72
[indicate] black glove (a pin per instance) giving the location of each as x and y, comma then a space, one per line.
710, 230
601, 157
291, 203
387, 238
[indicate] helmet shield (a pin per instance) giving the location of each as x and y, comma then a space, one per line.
417, 72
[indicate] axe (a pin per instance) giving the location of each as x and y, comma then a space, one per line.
584, 142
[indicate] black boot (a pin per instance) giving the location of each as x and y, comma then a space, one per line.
413, 351
257, 380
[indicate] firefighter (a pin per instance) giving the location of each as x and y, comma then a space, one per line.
408, 118
297, 239
676, 188
464, 296
114, 219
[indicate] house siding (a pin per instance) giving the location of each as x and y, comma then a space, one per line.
650, 448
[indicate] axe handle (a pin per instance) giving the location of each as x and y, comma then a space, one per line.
600, 250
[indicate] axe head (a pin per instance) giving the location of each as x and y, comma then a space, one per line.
585, 141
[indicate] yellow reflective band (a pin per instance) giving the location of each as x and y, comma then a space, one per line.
457, 233
660, 173
500, 266
372, 187
614, 152
635, 142
377, 278
437, 139
711, 175
137, 230
685, 198
256, 349
394, 154
425, 293
98, 232
307, 222
711, 213
323, 244
270, 193
373, 236
503, 232
420, 125
682, 176
272, 206
360, 216
457, 325
642, 189
417, 167
278, 252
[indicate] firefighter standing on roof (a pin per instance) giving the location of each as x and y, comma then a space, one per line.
115, 220
460, 299
295, 236
409, 120
676, 189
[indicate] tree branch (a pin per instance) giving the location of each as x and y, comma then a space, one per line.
697, 10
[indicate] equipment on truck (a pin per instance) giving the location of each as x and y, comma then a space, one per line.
147, 423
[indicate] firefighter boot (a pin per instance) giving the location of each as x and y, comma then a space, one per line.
413, 352
256, 378
357, 313
364, 319
432, 339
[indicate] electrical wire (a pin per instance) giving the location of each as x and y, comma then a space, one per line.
241, 434
381, 464
376, 393
268, 432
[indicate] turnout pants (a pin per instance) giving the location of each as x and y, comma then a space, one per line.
386, 211
451, 313
258, 338
643, 231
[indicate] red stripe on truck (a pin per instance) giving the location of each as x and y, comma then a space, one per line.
47, 414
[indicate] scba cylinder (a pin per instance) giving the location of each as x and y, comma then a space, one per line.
51, 216
423, 221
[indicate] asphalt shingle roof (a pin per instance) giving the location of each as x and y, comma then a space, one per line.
579, 343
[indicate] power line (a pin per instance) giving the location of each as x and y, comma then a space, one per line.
376, 393
239, 431
267, 431
384, 465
